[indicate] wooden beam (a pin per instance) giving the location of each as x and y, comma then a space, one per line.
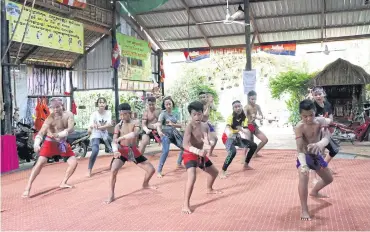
255, 27
323, 18
190, 14
88, 50
32, 50
97, 29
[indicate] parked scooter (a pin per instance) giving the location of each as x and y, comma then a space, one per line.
24, 138
79, 141
349, 133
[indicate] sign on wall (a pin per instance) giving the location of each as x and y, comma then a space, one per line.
132, 47
44, 29
249, 81
135, 71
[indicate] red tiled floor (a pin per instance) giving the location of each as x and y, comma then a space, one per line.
263, 199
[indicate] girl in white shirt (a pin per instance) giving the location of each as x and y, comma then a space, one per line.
100, 121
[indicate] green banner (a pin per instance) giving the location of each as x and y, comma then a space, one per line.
44, 29
135, 70
132, 47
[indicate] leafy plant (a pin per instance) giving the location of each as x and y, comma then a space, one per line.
294, 83
187, 90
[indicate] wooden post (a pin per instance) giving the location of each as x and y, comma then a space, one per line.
248, 64
6, 122
115, 71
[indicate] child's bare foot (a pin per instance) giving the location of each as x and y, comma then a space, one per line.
148, 186
318, 195
109, 200
159, 175
65, 186
214, 191
213, 155
186, 210
305, 216
247, 167
88, 174
26, 194
223, 175
179, 166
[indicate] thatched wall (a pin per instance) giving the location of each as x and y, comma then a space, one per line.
341, 72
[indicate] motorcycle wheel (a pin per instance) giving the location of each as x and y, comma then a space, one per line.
337, 141
80, 150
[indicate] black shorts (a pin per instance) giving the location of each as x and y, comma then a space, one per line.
332, 151
138, 159
151, 135
195, 164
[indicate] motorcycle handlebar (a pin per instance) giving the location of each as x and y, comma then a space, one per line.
27, 126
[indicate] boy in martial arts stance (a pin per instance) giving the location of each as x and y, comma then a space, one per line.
312, 136
124, 147
196, 146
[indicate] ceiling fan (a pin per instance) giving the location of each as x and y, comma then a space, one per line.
229, 19
326, 51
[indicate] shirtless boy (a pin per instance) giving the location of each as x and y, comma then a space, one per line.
125, 149
196, 144
310, 147
253, 112
56, 128
208, 105
149, 124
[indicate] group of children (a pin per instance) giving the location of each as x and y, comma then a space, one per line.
196, 144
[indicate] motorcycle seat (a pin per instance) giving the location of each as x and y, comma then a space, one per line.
77, 134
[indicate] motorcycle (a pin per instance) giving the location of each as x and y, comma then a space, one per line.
79, 141
24, 134
341, 132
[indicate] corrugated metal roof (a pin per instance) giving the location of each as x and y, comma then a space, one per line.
276, 20
222, 29
176, 33
169, 18
344, 4
227, 41
171, 4
193, 3
98, 68
273, 8
286, 23
194, 43
290, 36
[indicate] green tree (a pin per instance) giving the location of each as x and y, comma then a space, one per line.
294, 83
187, 90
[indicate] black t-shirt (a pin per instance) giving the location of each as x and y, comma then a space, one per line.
325, 112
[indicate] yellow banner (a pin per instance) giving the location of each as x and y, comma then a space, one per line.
44, 29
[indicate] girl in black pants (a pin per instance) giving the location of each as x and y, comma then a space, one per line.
237, 125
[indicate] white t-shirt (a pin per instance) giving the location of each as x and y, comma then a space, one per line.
101, 120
